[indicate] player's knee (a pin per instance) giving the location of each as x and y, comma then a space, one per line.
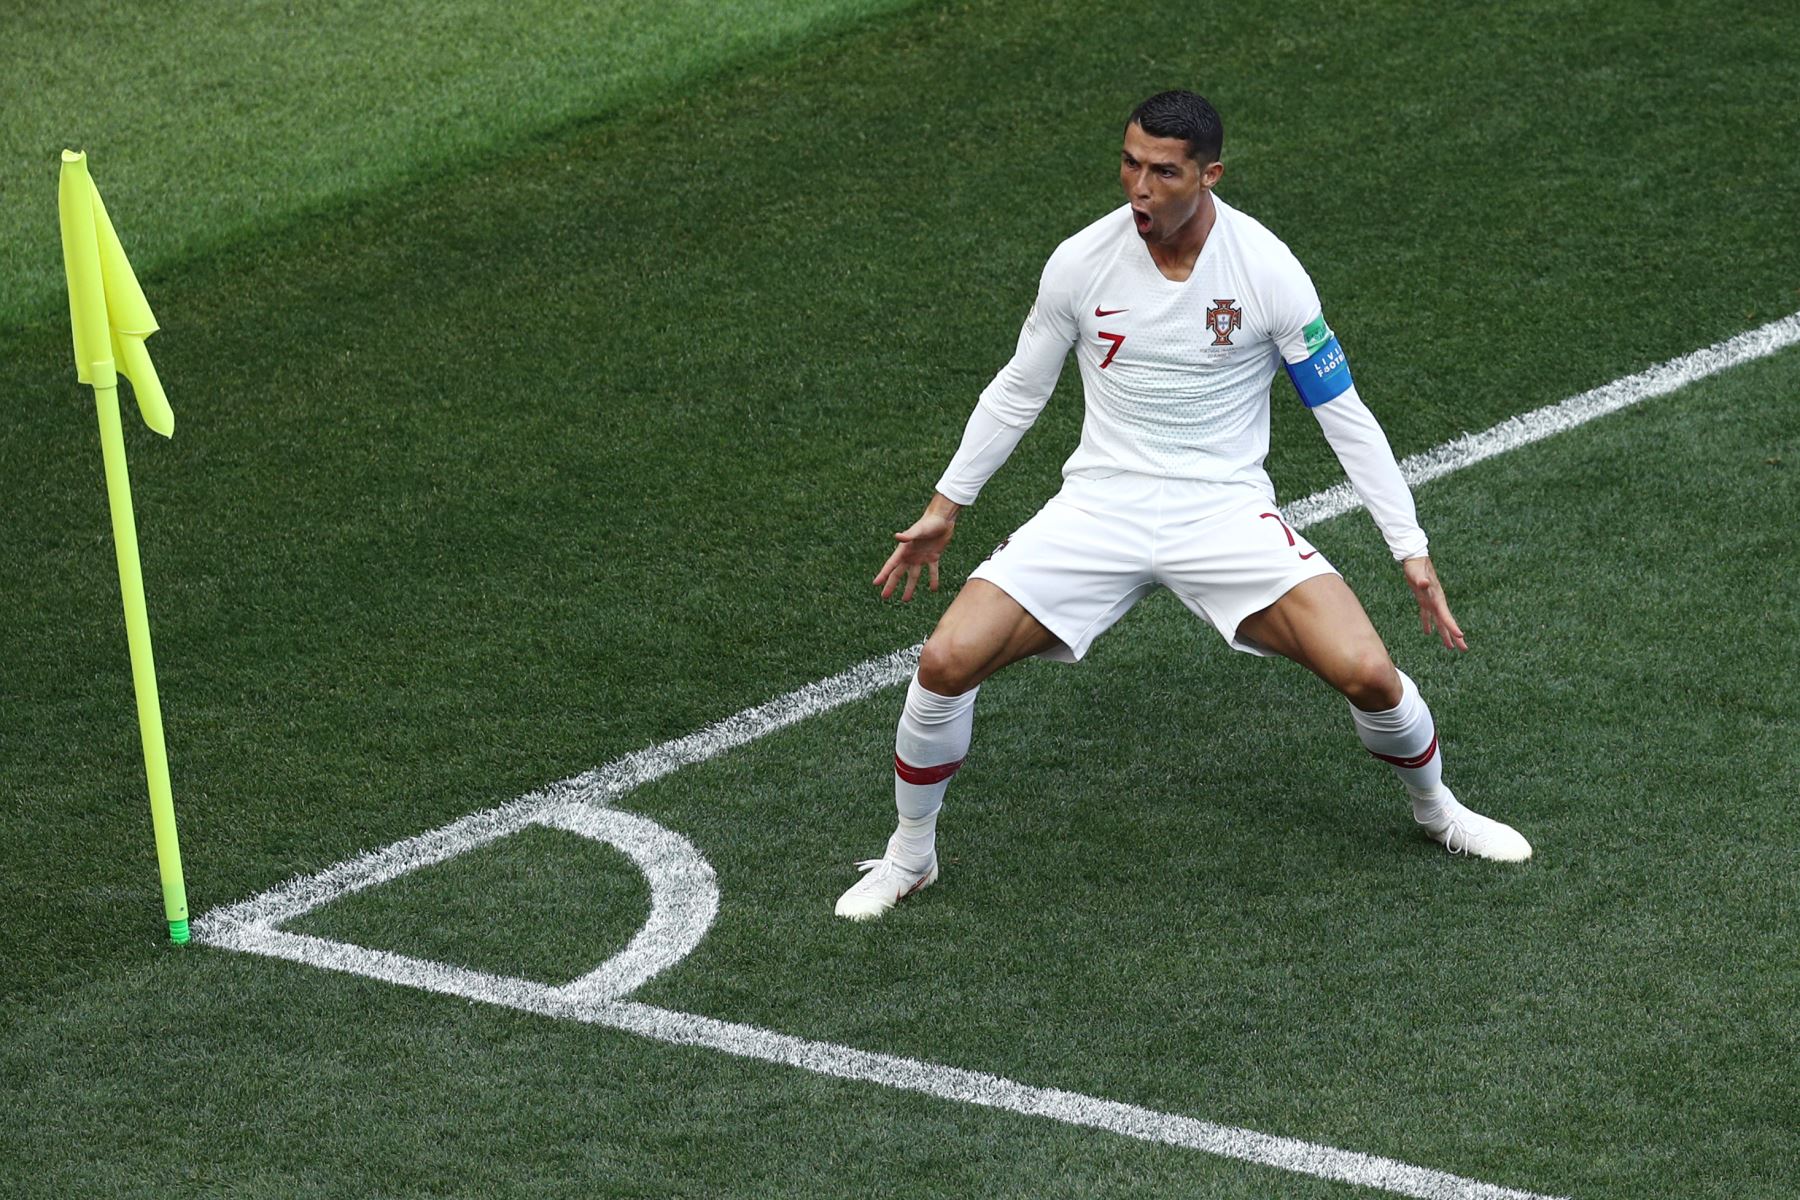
943, 668
1370, 682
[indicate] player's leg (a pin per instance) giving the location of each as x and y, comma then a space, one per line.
983, 630
1321, 625
1050, 589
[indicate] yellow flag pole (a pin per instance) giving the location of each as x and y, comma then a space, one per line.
143, 665
109, 319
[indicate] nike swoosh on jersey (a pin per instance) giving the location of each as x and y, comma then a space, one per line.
1107, 312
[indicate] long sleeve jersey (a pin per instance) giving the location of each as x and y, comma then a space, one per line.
1176, 375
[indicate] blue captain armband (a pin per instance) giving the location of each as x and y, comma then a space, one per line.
1323, 377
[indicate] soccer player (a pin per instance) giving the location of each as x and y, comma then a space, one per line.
1178, 308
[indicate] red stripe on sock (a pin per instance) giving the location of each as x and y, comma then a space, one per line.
912, 774
1409, 763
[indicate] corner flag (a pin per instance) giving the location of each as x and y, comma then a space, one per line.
110, 320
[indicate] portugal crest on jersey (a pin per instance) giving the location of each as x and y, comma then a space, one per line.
1223, 317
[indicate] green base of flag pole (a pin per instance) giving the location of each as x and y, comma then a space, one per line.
178, 932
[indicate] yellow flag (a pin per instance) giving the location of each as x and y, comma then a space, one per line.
107, 309
110, 319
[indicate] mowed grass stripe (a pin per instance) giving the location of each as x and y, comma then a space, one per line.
524, 472
252, 925
609, 783
1141, 926
1174, 875
212, 123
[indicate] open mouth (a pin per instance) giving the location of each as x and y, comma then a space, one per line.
1141, 217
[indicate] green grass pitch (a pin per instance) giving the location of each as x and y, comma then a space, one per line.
552, 390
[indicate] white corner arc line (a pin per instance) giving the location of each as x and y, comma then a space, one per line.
684, 898
684, 891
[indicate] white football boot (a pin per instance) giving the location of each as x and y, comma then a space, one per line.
884, 884
1464, 831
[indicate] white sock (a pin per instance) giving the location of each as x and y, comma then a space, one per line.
1405, 737
929, 746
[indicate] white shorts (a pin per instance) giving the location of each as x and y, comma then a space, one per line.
1100, 545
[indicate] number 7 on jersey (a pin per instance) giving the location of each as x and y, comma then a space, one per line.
1117, 340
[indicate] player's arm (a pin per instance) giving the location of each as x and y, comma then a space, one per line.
1360, 445
1321, 374
1007, 408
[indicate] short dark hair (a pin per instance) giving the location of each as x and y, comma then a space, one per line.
1184, 115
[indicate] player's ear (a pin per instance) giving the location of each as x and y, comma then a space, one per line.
1211, 173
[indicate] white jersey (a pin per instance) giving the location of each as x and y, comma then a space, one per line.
1176, 375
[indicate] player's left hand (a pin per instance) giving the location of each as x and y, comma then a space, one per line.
1434, 610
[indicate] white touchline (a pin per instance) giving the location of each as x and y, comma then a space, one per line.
1541, 423
684, 891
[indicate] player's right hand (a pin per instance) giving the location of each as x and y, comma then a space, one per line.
920, 548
